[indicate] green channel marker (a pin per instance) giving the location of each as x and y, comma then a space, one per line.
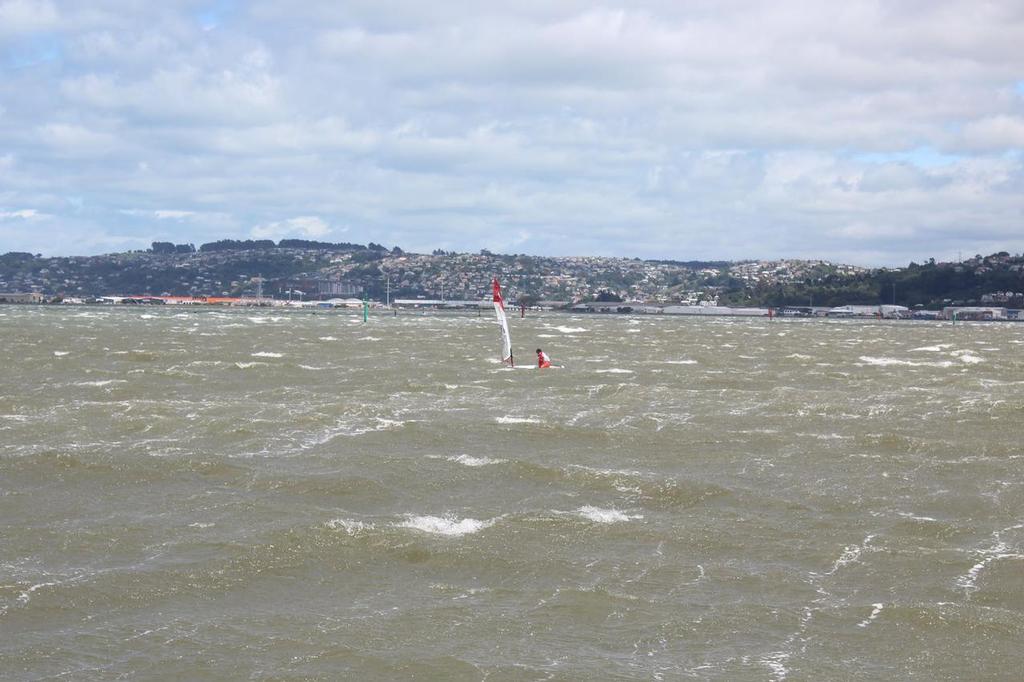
366, 310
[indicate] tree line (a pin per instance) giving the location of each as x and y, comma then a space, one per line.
263, 244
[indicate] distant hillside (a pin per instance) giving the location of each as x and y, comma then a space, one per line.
996, 280
314, 269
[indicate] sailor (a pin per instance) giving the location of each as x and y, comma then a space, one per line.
543, 361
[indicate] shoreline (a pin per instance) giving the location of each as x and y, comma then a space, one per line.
883, 312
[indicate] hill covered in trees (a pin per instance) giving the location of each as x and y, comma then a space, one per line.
995, 279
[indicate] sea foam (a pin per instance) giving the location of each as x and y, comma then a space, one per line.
518, 420
444, 525
470, 461
875, 611
967, 357
349, 526
599, 515
896, 362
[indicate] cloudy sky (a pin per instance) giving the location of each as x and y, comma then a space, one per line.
868, 132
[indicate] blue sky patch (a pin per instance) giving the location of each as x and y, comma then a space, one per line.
213, 16
33, 51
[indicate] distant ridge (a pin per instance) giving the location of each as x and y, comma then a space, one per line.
306, 269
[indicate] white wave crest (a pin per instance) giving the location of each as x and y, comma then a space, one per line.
875, 610
27, 594
267, 354
518, 420
851, 555
896, 362
61, 353
350, 428
599, 515
570, 330
444, 525
470, 461
999, 550
349, 526
615, 370
967, 357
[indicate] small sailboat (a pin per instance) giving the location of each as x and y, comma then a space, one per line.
506, 339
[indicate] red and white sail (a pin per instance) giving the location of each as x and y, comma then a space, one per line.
506, 339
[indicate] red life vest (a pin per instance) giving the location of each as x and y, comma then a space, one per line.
543, 361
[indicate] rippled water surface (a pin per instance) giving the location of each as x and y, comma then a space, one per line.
197, 494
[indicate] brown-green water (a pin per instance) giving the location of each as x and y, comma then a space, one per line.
192, 494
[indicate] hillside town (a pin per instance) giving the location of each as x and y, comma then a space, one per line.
296, 272
316, 273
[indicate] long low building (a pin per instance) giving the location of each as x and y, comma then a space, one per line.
714, 311
21, 297
883, 311
697, 310
438, 303
976, 313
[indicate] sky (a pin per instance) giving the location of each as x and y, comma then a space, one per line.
864, 132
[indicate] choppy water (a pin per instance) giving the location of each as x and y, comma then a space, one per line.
257, 495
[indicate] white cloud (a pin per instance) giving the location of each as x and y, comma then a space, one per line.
183, 92
21, 214
75, 139
995, 133
173, 215
26, 16
304, 226
163, 214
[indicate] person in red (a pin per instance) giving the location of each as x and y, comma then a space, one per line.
543, 361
